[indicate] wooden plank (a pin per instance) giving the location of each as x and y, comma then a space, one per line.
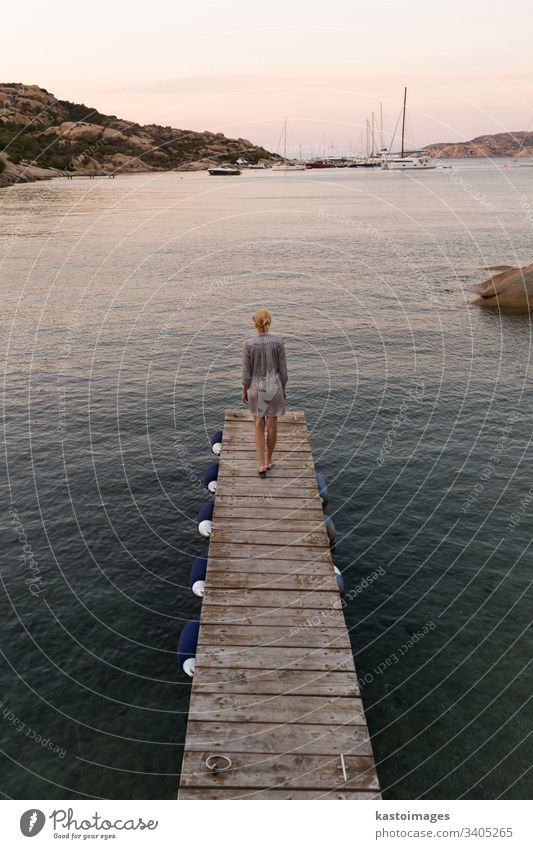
268, 682
321, 565
221, 793
295, 709
244, 453
235, 537
273, 738
265, 502
280, 599
290, 453
257, 553
283, 424
244, 415
259, 657
292, 617
242, 472
274, 637
236, 580
249, 513
269, 487
303, 772
272, 525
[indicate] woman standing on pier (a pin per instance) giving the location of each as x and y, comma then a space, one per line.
264, 377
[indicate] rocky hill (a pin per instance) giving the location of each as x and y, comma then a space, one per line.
41, 136
501, 144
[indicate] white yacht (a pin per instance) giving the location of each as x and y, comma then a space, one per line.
418, 160
399, 163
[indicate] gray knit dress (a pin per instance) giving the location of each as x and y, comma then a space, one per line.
264, 374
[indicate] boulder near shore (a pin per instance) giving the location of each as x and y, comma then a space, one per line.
510, 289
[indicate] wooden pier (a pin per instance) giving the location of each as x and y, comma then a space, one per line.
275, 692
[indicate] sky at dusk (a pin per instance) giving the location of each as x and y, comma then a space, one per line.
240, 68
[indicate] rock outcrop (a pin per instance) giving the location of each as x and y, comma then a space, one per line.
39, 131
510, 289
519, 144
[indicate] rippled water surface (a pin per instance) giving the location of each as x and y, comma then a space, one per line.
125, 303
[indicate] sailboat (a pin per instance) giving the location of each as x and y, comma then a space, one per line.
402, 162
287, 166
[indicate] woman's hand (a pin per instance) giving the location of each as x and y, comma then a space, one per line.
244, 395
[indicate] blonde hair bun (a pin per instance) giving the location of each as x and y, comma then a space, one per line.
262, 319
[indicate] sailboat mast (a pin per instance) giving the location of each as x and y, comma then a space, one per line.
403, 119
285, 139
373, 136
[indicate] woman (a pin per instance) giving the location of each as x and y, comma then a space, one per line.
264, 377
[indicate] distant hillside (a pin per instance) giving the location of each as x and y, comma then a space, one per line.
501, 144
37, 131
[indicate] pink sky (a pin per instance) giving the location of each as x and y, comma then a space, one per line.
231, 66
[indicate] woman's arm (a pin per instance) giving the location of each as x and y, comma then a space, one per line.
246, 371
282, 366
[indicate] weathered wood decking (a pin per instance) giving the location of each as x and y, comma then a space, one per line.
275, 688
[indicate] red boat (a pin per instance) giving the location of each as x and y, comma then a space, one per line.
320, 163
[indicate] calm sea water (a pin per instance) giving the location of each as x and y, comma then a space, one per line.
125, 303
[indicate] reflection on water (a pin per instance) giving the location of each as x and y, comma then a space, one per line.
126, 302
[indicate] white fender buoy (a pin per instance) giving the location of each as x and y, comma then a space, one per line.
216, 443
187, 646
330, 528
211, 477
204, 519
339, 579
197, 576
322, 489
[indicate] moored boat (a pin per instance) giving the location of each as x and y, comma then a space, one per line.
417, 160
400, 163
224, 172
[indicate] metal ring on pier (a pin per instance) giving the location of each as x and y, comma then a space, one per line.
213, 767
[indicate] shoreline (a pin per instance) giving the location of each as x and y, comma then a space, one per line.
27, 173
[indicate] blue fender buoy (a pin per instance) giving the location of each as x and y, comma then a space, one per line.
216, 442
197, 576
187, 646
330, 528
322, 489
210, 477
204, 519
339, 579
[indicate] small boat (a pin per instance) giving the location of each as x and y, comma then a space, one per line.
224, 172
320, 163
368, 162
289, 166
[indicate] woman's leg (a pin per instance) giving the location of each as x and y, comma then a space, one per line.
271, 437
259, 424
